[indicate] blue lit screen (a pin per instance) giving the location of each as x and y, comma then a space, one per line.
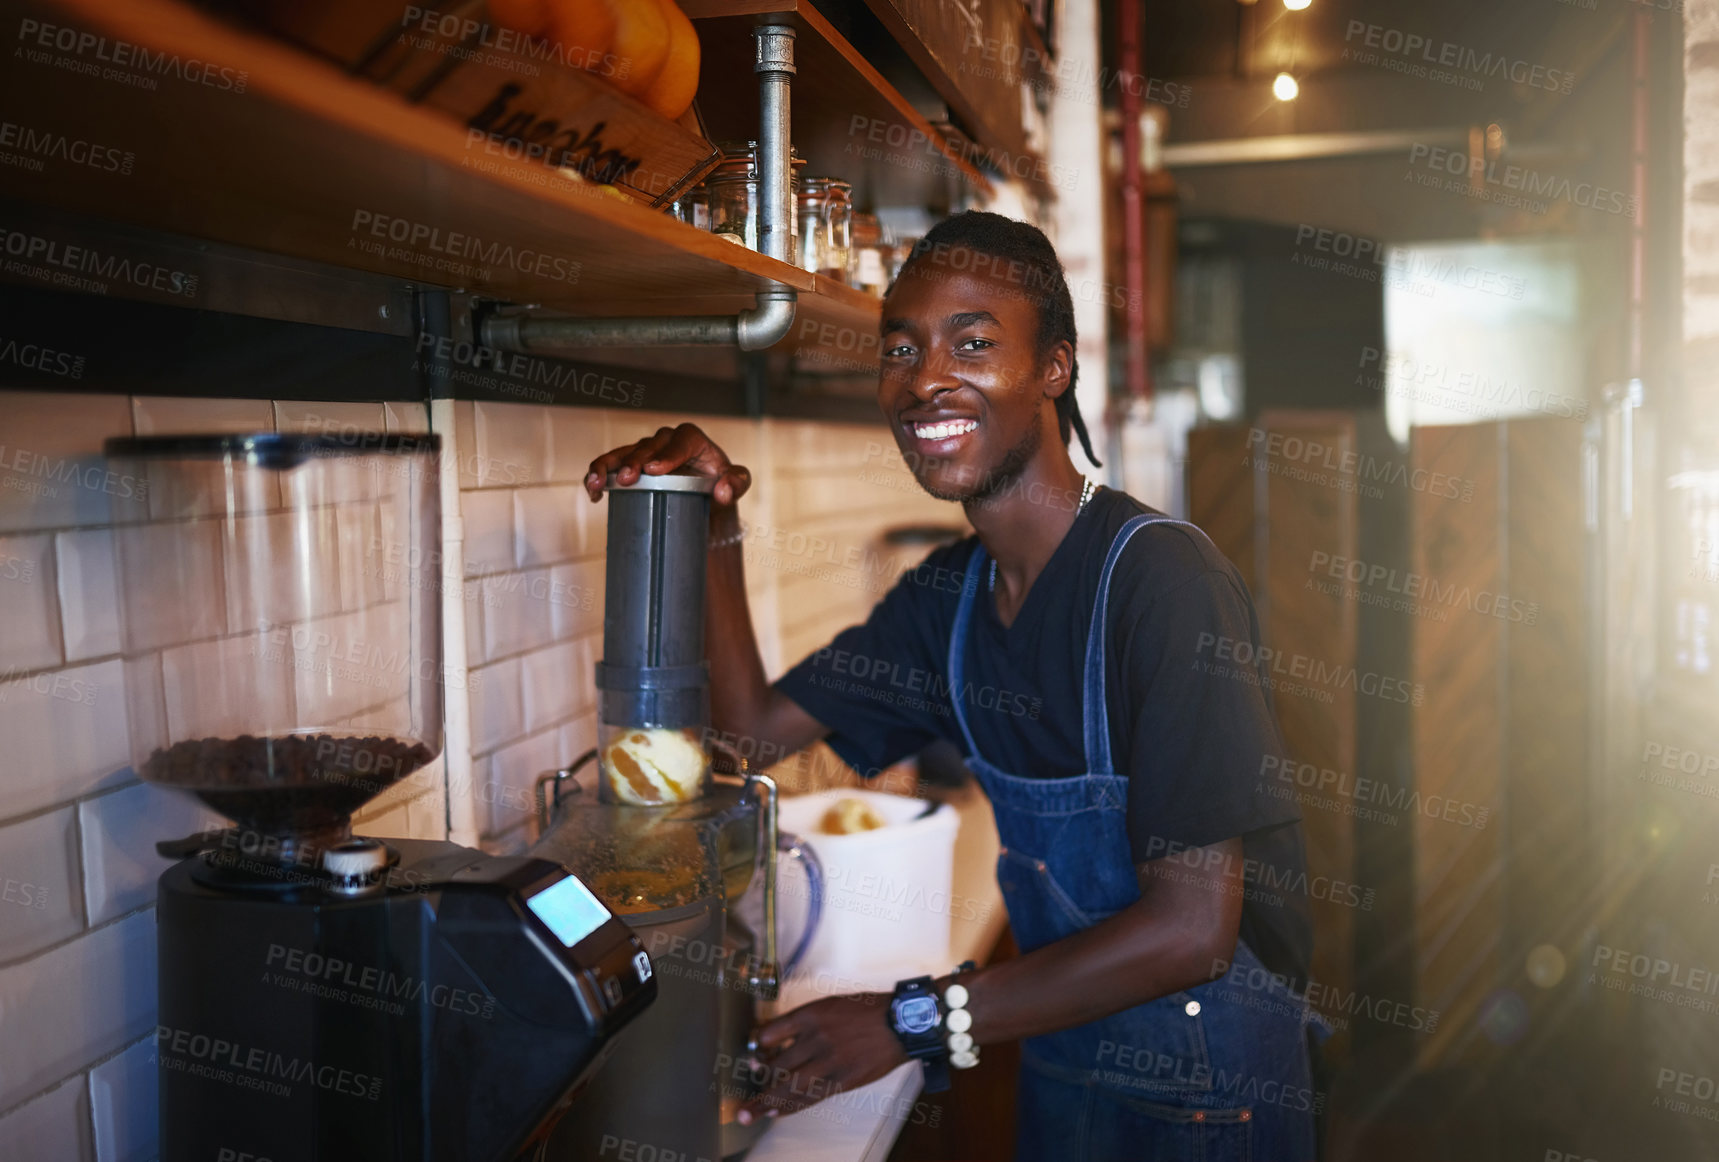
570, 910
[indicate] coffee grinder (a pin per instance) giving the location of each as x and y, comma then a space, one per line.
326, 997
672, 846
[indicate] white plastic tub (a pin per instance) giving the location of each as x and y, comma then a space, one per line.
887, 898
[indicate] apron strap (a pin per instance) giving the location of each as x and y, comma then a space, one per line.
958, 643
1095, 721
1095, 718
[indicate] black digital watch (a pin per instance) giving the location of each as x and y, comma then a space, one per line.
916, 1015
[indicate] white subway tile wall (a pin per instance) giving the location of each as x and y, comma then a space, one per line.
489, 531
119, 831
540, 576
75, 1003
32, 641
77, 831
55, 1125
331, 419
65, 733
123, 1104
512, 445
406, 417
51, 467
39, 903
505, 800
497, 708
161, 415
89, 602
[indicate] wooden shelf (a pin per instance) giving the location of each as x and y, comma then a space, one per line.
1035, 40
971, 53
836, 331
306, 161
849, 121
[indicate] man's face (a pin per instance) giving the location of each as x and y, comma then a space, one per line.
964, 386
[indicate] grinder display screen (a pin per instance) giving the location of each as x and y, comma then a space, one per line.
569, 909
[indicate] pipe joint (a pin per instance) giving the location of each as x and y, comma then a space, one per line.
773, 50
767, 324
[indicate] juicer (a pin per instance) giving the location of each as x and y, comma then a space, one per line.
323, 996
672, 845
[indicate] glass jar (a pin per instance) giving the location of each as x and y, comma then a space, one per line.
693, 207
896, 252
869, 256
280, 624
732, 194
825, 230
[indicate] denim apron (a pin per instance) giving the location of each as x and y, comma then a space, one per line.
1217, 1073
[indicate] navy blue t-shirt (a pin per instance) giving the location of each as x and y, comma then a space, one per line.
1188, 730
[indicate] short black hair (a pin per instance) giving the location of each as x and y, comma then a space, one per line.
1029, 259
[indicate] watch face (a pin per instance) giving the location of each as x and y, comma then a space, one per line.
916, 1014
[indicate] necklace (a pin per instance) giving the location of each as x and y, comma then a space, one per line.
1085, 495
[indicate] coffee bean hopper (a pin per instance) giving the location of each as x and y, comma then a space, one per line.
671, 845
323, 996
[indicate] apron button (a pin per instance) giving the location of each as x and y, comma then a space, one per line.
1039, 863
1246, 1115
1199, 1115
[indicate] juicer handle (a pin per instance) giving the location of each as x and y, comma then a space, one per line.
794, 847
765, 977
763, 974
548, 789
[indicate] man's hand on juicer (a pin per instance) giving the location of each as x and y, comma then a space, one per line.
669, 450
822, 1049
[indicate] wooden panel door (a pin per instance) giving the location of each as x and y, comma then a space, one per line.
1502, 860
1458, 728
1276, 497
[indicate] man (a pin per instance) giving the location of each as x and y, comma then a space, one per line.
1125, 782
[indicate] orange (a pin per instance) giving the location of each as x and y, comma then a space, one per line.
641, 44
584, 32
528, 16
673, 89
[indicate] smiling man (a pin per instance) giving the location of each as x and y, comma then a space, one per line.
1152, 992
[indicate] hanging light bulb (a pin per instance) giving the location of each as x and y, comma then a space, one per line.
1296, 5
1284, 87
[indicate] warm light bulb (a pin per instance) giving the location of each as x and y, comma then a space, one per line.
1296, 5
1285, 88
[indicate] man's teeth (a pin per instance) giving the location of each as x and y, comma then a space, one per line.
945, 430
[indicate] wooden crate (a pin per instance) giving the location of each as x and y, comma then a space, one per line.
517, 96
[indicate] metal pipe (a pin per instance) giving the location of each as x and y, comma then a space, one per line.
1137, 362
1640, 108
1289, 147
773, 61
766, 324
524, 333
761, 326
751, 330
